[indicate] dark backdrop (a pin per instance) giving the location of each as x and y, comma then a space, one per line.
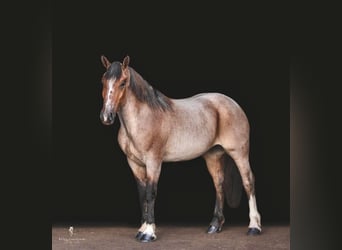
181, 52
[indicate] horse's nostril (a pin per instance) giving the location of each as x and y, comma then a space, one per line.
107, 118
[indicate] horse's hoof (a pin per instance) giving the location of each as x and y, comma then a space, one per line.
139, 235
253, 231
147, 238
214, 229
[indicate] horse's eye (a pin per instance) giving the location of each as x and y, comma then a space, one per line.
122, 84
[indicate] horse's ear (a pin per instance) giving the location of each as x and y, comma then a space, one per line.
125, 62
105, 62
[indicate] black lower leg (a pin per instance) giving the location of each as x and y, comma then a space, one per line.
218, 212
218, 218
142, 200
151, 194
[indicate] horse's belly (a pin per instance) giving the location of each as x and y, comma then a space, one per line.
182, 157
186, 151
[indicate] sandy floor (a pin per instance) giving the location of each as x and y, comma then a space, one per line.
169, 237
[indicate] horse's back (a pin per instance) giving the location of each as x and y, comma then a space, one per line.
227, 108
220, 100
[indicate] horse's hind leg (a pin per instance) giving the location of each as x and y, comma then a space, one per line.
214, 161
242, 162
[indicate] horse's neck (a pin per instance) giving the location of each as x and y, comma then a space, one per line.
132, 111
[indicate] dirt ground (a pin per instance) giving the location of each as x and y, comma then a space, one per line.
169, 237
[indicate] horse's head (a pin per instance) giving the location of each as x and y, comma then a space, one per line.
115, 81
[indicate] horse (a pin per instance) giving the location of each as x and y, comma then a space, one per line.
155, 129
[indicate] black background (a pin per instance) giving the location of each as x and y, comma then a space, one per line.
180, 55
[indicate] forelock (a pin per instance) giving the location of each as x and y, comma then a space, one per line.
114, 71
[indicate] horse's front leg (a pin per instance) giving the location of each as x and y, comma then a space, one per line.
153, 168
139, 172
147, 181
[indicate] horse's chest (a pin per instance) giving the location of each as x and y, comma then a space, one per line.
129, 149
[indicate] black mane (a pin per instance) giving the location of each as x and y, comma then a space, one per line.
144, 92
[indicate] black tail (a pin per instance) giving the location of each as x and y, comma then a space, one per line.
232, 185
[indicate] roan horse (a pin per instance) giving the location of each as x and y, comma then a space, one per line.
156, 129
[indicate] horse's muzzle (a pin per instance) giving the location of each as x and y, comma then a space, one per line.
107, 118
